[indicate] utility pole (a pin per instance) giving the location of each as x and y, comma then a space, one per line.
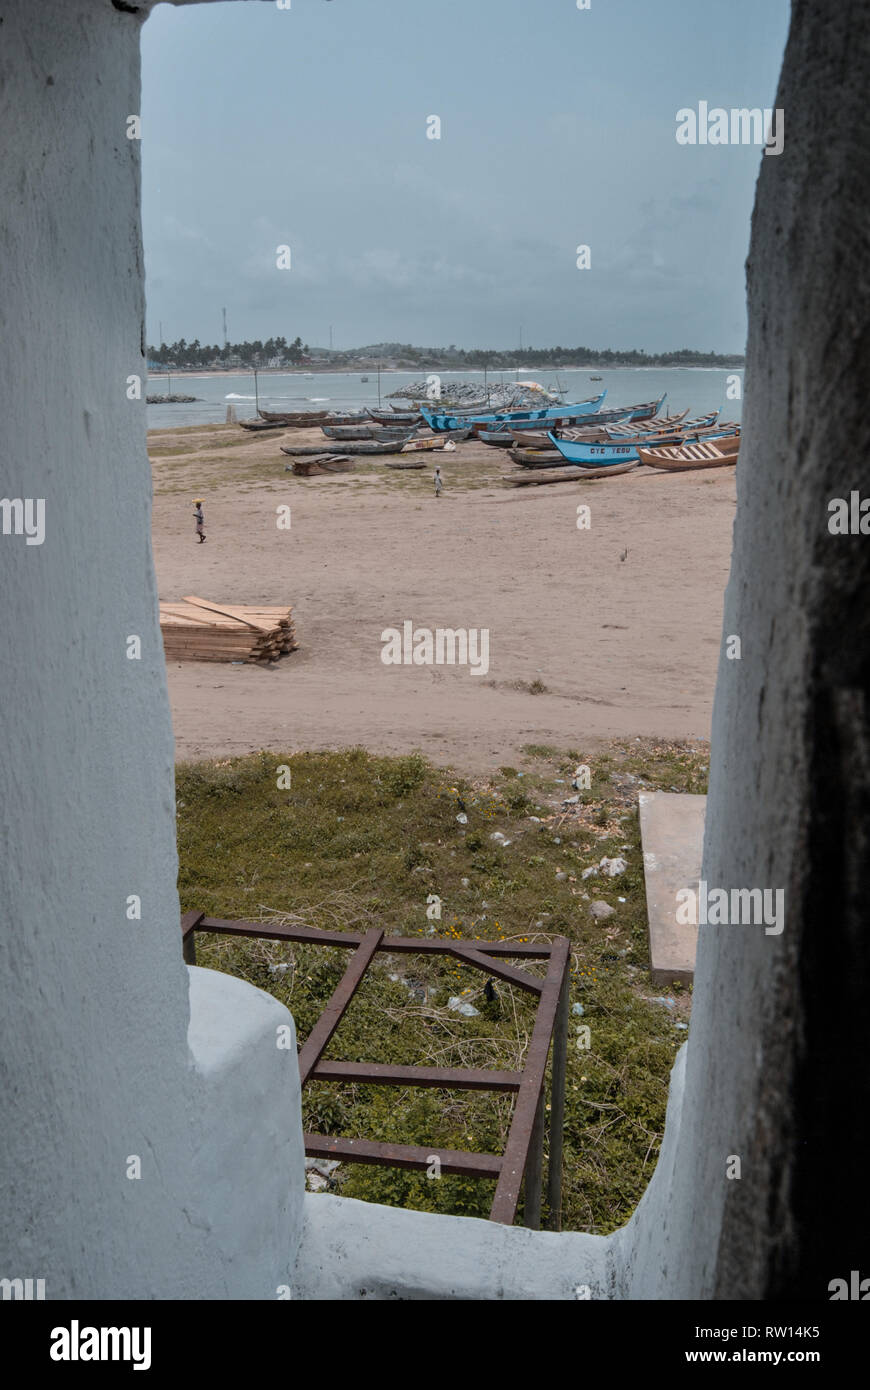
224, 312
330, 337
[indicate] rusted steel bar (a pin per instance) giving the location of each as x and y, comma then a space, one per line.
344, 991
471, 956
557, 1106
507, 1193
402, 1155
524, 1151
189, 922
450, 1078
535, 1170
401, 945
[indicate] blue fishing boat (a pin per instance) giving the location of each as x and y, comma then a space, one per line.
625, 451
553, 415
499, 435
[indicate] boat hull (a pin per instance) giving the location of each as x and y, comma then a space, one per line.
345, 432
625, 451
553, 415
721, 453
369, 446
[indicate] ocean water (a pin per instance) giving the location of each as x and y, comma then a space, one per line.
700, 388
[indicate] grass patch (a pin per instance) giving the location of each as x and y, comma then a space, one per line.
357, 841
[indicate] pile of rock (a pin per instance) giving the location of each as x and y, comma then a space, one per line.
456, 394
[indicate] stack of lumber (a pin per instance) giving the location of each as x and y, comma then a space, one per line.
195, 629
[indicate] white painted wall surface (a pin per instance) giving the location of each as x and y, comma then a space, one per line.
94, 1064
354, 1250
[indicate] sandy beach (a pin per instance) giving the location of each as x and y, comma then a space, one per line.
620, 623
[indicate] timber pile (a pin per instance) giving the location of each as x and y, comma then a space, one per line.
196, 630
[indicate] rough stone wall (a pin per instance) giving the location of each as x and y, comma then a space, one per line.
775, 1068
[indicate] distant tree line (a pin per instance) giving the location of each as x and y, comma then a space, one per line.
545, 357
277, 351
255, 354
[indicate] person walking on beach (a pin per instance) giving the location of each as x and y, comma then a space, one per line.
439, 483
200, 519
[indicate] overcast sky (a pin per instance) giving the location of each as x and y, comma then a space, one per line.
307, 127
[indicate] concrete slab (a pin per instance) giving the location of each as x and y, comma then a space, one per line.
672, 837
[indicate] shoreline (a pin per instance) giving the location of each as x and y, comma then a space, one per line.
411, 371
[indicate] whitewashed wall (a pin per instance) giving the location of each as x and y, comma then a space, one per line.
108, 1050
94, 1064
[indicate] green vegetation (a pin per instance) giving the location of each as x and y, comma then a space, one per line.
405, 355
358, 841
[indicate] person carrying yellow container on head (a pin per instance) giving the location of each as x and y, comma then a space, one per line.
200, 518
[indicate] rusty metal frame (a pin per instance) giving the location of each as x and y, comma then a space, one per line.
523, 1155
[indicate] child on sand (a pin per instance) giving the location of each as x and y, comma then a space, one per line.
438, 482
200, 518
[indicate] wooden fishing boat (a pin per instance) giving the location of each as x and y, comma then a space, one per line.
564, 475
489, 433
553, 415
406, 463
502, 439
295, 418
701, 453
435, 441
626, 451
395, 417
362, 446
649, 409
320, 463
661, 425
338, 463
365, 432
308, 467
630, 416
537, 458
260, 425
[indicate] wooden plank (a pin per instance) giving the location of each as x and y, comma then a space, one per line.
212, 608
332, 1015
